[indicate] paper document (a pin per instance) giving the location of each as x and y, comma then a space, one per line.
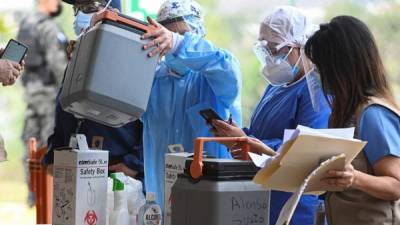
298, 157
259, 160
82, 143
290, 134
346, 133
312, 182
304, 158
290, 206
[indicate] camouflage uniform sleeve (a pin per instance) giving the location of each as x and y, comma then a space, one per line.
54, 42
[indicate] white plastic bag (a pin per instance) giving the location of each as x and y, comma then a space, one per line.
136, 198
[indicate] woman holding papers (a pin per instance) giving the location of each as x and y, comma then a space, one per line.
347, 58
286, 102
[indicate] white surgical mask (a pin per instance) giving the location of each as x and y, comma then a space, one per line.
279, 71
82, 22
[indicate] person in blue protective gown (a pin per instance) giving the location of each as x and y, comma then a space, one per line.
286, 102
193, 75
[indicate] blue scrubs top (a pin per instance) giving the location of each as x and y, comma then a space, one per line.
285, 107
381, 128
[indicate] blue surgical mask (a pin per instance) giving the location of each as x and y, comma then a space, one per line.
294, 69
195, 24
82, 22
175, 65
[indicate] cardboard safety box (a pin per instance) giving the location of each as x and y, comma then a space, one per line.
80, 187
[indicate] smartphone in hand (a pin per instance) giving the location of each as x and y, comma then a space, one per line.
14, 51
209, 115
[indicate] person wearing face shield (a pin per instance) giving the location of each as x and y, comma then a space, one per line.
287, 101
124, 143
192, 75
44, 67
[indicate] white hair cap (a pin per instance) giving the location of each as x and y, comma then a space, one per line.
287, 26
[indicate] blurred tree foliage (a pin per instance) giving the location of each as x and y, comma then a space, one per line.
66, 20
4, 31
383, 18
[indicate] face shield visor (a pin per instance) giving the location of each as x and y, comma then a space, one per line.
276, 68
277, 71
314, 84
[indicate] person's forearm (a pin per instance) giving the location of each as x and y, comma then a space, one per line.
274, 143
382, 187
133, 163
259, 147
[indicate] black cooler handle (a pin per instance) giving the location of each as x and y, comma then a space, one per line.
196, 167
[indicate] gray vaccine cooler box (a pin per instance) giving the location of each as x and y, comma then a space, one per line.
218, 192
110, 76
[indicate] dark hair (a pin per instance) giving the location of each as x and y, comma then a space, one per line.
351, 69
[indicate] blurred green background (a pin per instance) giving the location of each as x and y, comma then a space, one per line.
230, 24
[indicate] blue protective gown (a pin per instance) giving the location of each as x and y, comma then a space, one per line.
281, 108
210, 78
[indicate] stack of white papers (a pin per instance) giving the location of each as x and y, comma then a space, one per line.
303, 160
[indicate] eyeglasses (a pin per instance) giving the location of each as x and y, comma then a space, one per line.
273, 48
267, 52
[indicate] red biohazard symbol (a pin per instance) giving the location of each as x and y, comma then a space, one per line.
90, 218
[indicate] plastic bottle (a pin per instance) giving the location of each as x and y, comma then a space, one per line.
120, 215
110, 199
136, 199
150, 213
134, 192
